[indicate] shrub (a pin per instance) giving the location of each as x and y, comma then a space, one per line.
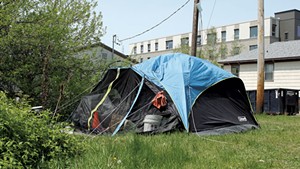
30, 139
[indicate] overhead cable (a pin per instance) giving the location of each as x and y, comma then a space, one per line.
156, 24
211, 14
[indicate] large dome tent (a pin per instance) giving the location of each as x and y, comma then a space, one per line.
165, 93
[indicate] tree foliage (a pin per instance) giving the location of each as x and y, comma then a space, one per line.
236, 48
183, 48
211, 51
39, 42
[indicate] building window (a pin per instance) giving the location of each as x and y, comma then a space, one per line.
252, 47
134, 50
149, 47
223, 35
274, 29
142, 48
211, 38
156, 46
185, 41
235, 69
199, 40
253, 32
298, 31
236, 34
269, 71
169, 44
286, 36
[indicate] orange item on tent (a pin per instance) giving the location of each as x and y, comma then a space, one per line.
96, 121
159, 100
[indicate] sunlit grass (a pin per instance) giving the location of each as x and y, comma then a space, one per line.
275, 145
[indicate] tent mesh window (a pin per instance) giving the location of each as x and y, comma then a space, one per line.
114, 103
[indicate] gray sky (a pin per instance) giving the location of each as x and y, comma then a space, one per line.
126, 18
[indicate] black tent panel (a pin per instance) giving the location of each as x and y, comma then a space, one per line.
223, 105
113, 101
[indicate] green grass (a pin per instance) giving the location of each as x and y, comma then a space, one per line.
275, 145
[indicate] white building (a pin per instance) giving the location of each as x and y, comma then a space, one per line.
282, 66
282, 75
239, 37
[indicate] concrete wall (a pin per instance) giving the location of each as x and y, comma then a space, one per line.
289, 22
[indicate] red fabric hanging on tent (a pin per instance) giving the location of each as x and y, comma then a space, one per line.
96, 121
159, 100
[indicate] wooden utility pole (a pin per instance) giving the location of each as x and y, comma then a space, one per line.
195, 29
260, 59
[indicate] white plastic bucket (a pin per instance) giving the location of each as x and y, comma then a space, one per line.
151, 122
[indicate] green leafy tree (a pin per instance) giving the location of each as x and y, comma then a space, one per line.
183, 48
39, 45
210, 49
236, 48
213, 51
223, 50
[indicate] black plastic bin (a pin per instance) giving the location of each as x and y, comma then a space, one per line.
278, 101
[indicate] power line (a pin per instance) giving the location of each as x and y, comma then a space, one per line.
200, 14
156, 24
211, 13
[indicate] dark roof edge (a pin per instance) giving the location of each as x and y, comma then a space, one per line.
109, 49
297, 58
291, 10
